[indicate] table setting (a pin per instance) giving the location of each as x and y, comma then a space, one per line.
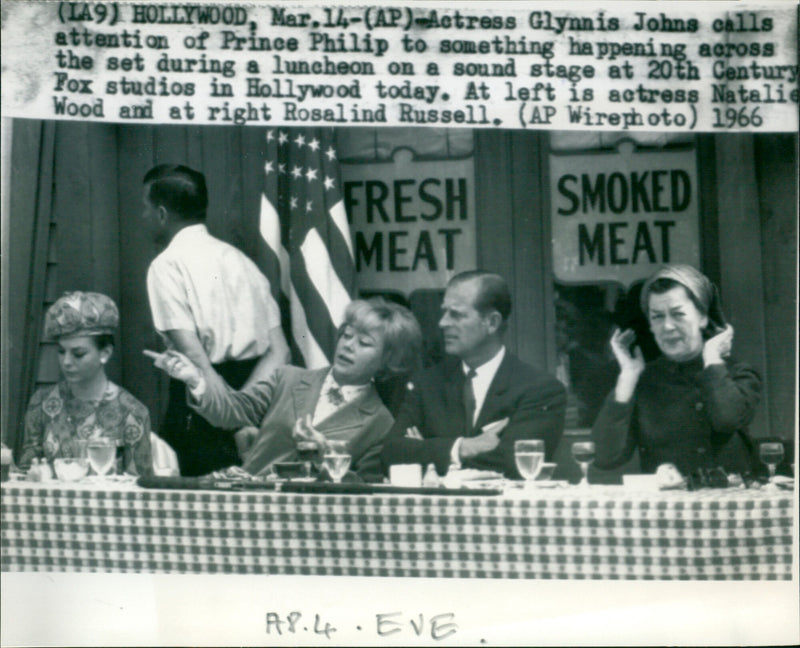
467, 524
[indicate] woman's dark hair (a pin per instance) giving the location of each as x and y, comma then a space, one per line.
663, 285
104, 340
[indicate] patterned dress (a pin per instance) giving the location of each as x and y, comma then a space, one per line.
56, 419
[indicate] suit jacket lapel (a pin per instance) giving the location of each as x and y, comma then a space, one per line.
454, 395
497, 389
305, 393
352, 414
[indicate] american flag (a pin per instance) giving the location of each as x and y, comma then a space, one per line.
304, 224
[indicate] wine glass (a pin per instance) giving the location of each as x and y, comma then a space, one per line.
771, 453
307, 453
336, 460
101, 452
583, 453
529, 456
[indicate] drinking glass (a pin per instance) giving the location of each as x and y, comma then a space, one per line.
583, 453
102, 453
529, 457
307, 453
771, 453
336, 460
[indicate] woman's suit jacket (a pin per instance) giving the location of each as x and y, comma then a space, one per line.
274, 405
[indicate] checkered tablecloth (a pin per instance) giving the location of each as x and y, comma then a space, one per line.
557, 534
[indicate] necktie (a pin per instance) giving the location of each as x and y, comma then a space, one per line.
469, 402
335, 396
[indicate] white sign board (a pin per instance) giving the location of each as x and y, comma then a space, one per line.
620, 215
412, 222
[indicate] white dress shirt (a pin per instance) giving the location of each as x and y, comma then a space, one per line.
202, 284
484, 375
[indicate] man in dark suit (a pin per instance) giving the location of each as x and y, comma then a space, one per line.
468, 410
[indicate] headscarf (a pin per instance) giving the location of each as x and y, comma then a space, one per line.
696, 283
81, 313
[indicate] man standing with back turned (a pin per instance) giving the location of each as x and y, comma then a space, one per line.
468, 410
210, 302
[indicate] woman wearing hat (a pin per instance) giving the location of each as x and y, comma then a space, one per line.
85, 404
691, 405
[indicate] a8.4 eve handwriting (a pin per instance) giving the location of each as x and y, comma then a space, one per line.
438, 626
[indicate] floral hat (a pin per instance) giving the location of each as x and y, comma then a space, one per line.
81, 313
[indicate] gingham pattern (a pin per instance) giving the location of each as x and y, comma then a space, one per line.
561, 534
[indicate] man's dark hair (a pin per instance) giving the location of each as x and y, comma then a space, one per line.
179, 189
493, 292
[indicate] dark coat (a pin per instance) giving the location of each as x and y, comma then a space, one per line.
534, 401
684, 414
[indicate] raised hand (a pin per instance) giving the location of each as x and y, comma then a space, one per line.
631, 364
177, 366
621, 346
717, 348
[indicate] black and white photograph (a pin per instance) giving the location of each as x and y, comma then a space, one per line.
356, 362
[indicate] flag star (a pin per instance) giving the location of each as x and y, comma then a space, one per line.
300, 141
270, 135
330, 153
282, 138
308, 205
293, 202
313, 144
329, 183
282, 168
297, 172
311, 174
268, 167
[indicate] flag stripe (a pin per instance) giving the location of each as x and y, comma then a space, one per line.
304, 226
339, 217
327, 283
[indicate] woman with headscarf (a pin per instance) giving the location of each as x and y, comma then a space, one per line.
85, 404
691, 406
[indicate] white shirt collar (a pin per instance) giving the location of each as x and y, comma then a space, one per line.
489, 368
484, 375
348, 391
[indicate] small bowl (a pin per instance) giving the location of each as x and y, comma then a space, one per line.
70, 469
289, 469
546, 471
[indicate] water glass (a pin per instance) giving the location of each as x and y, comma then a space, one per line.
102, 453
336, 460
529, 457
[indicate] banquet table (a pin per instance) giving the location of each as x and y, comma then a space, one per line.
557, 533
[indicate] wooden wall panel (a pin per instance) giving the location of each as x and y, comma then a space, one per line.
533, 275
136, 145
72, 207
776, 170
493, 208
170, 145
30, 210
741, 279
513, 235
